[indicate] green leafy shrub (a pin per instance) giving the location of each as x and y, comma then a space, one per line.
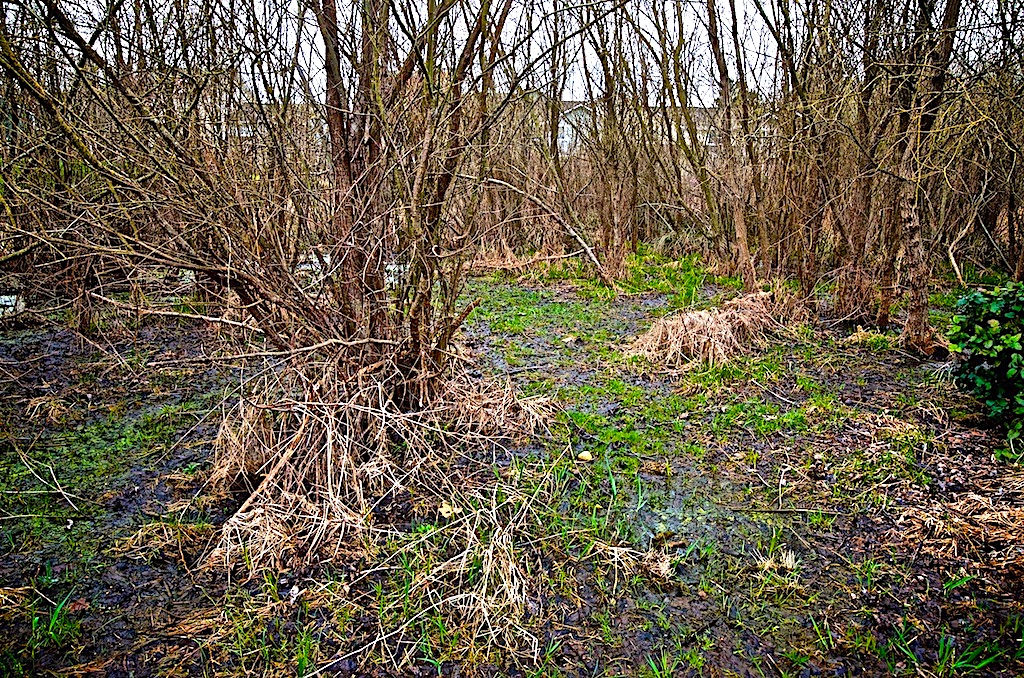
986, 331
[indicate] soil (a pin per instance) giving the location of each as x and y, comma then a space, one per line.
817, 508
94, 448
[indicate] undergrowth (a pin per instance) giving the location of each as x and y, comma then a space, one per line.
987, 331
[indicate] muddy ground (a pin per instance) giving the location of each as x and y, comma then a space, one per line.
824, 505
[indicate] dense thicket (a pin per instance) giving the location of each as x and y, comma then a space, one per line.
315, 168
330, 171
851, 144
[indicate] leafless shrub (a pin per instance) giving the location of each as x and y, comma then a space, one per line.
318, 180
325, 454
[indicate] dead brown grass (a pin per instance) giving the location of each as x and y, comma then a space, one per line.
11, 601
985, 525
327, 459
317, 451
502, 259
715, 336
181, 541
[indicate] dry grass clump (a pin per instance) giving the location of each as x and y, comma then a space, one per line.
501, 257
318, 451
332, 465
863, 337
985, 525
876, 341
12, 599
716, 335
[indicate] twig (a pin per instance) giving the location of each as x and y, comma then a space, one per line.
749, 509
55, 486
527, 368
174, 314
772, 393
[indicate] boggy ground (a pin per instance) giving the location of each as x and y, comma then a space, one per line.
825, 506
100, 457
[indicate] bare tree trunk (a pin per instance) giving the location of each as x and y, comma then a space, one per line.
1016, 251
931, 82
737, 202
854, 294
886, 287
752, 154
916, 333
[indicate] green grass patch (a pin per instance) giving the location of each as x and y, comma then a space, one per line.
86, 464
758, 418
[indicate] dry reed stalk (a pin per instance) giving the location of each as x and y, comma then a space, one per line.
716, 335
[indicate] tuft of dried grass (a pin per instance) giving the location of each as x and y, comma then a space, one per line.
502, 259
985, 525
326, 455
160, 539
865, 338
499, 258
316, 451
11, 600
714, 336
